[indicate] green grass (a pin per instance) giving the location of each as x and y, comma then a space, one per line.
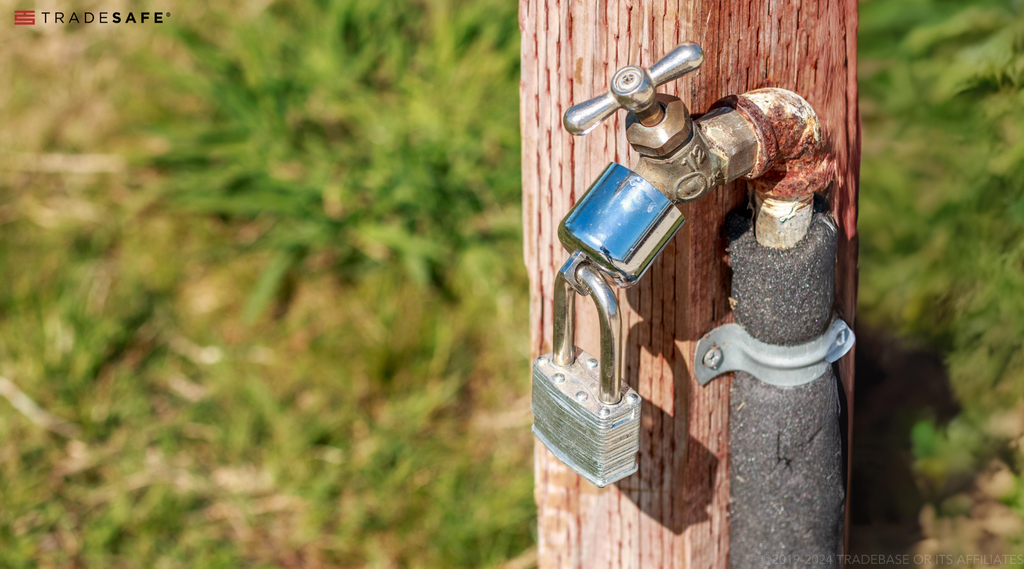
359, 428
291, 331
943, 185
385, 133
942, 225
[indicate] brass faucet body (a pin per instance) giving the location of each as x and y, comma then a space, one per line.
770, 136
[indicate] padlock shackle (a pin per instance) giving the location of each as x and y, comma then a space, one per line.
608, 312
564, 328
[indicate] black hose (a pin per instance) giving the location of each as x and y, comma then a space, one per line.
787, 484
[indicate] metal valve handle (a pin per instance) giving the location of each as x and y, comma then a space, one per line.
633, 88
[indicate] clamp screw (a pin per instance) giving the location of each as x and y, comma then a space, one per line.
712, 358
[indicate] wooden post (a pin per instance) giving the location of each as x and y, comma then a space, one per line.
673, 513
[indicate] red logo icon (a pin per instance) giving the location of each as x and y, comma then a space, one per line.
24, 17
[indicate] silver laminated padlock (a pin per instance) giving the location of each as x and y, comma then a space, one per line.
621, 224
582, 412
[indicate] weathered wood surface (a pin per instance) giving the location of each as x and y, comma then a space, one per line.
673, 513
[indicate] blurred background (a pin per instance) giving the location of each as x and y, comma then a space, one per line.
264, 304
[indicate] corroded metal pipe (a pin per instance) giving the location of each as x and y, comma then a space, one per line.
790, 165
770, 136
781, 222
791, 153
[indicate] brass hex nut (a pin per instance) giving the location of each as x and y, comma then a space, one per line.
664, 137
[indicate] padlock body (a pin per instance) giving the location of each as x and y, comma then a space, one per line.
622, 223
599, 442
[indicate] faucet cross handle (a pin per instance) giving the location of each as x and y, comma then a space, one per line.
633, 89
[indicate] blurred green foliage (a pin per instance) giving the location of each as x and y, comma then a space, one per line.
383, 132
291, 332
942, 222
942, 201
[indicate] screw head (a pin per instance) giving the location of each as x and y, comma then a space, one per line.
582, 396
632, 88
604, 412
628, 78
543, 360
558, 378
632, 398
592, 363
712, 358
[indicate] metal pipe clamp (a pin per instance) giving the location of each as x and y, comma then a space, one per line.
730, 348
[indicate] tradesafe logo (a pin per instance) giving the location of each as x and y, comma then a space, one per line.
28, 17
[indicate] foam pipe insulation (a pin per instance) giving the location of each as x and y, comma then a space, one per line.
786, 457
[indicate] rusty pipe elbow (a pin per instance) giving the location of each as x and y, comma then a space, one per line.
791, 154
770, 136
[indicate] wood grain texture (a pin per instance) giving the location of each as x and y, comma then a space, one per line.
673, 513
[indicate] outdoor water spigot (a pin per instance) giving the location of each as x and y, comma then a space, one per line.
633, 88
622, 223
770, 136
582, 413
